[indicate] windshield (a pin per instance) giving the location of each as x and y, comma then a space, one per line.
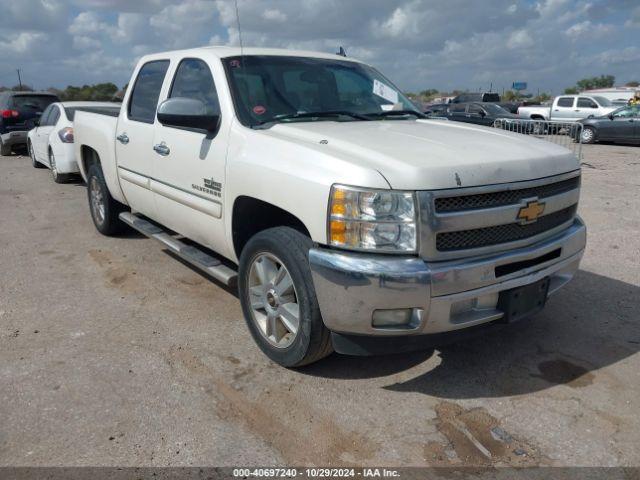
604, 102
32, 102
494, 109
267, 87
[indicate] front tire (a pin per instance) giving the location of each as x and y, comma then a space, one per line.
588, 135
278, 299
104, 209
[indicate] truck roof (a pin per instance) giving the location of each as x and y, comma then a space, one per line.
224, 52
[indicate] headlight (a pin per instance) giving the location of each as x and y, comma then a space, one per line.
380, 220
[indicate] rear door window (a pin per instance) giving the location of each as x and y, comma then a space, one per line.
54, 116
565, 102
45, 115
146, 91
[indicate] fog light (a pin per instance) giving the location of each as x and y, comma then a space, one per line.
400, 317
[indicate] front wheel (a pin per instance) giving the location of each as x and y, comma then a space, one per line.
588, 135
104, 209
278, 299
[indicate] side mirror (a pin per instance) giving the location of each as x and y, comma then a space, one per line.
482, 114
610, 116
36, 123
187, 113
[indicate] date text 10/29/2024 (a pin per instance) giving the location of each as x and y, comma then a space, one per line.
315, 473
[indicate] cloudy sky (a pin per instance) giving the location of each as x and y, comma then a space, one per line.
419, 44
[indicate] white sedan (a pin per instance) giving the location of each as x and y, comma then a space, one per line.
50, 142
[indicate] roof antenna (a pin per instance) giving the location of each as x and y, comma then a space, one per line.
239, 30
342, 52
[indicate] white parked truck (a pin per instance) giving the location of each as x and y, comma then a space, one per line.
348, 221
569, 108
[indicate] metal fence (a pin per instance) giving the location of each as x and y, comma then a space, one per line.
566, 134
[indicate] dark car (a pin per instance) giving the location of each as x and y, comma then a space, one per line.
478, 113
476, 97
486, 97
436, 109
622, 126
18, 112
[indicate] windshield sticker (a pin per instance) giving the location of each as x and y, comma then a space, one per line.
385, 91
259, 110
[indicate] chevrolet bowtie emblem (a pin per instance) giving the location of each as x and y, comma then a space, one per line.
531, 211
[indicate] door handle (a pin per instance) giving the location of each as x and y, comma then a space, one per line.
162, 149
122, 138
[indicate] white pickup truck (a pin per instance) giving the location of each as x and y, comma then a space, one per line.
348, 221
569, 108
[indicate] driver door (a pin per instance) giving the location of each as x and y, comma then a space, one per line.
189, 165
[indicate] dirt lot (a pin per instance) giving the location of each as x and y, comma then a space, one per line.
114, 353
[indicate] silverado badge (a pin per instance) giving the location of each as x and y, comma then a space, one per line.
530, 212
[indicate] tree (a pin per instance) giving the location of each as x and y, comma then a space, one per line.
571, 91
98, 92
633, 83
510, 96
603, 81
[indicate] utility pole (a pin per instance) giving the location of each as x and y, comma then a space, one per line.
19, 78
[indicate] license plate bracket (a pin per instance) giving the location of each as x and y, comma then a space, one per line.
522, 302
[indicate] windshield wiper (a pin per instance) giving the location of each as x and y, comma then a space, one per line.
326, 114
393, 113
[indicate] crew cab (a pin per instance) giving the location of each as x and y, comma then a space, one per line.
569, 108
348, 221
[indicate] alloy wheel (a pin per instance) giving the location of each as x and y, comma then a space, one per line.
97, 201
587, 135
273, 300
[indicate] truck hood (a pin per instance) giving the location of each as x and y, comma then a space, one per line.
432, 154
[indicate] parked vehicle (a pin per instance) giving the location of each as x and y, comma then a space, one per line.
436, 109
18, 111
486, 97
50, 142
570, 108
622, 126
349, 222
477, 97
479, 113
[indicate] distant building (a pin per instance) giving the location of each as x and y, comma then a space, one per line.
615, 94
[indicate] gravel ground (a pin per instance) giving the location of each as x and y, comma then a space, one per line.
112, 352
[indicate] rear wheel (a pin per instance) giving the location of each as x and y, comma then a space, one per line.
57, 177
278, 299
5, 149
104, 209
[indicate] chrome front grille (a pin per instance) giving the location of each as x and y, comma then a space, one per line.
482, 237
505, 197
482, 220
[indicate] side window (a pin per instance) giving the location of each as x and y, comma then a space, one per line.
45, 115
193, 80
54, 116
457, 108
146, 91
586, 103
565, 102
475, 109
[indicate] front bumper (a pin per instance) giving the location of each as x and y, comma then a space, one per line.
444, 296
14, 138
